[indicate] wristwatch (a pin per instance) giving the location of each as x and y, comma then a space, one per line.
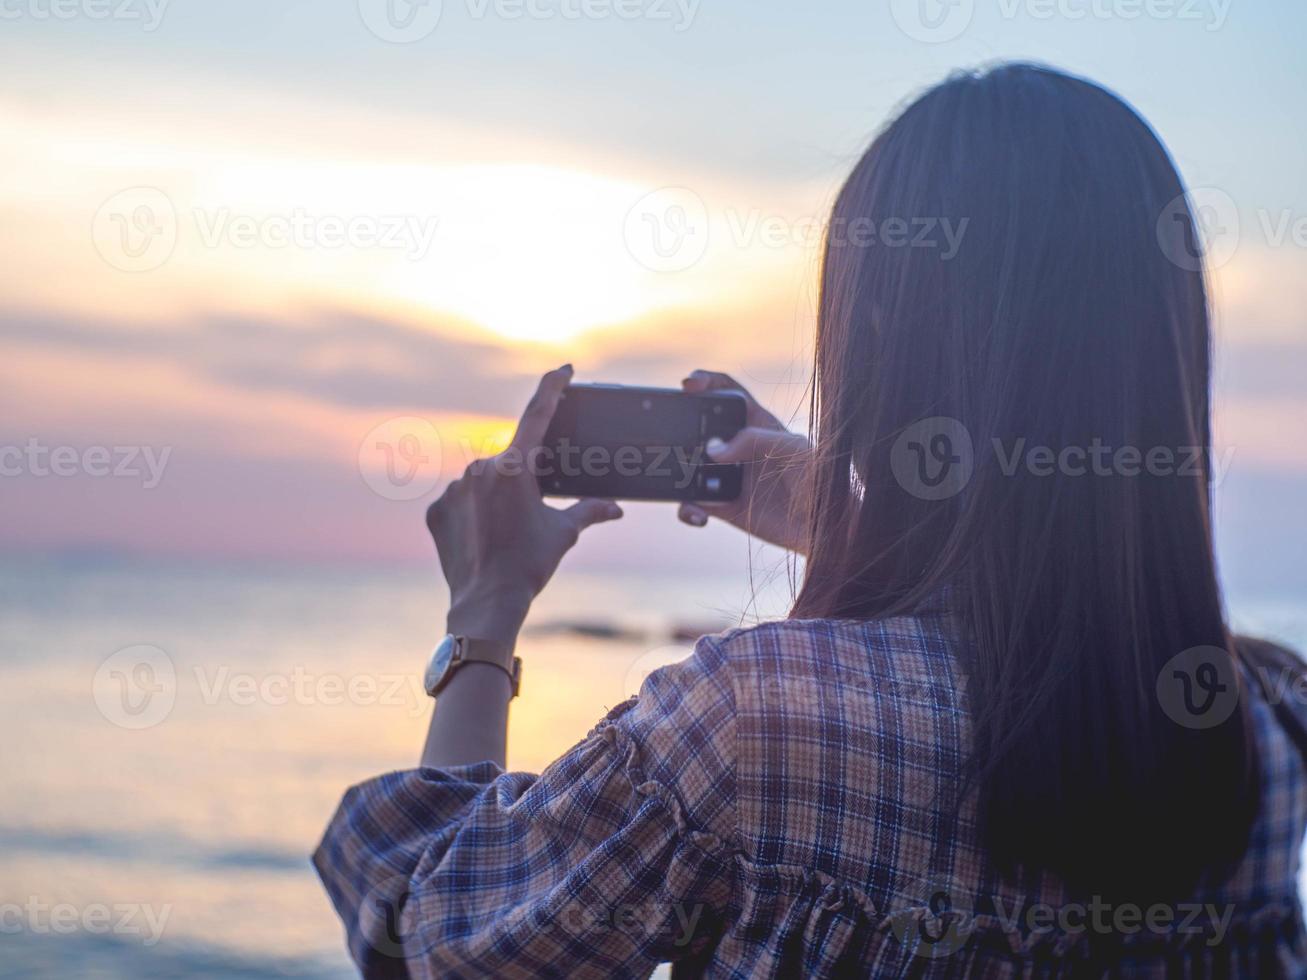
453, 652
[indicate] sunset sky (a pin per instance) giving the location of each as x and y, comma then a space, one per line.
341, 231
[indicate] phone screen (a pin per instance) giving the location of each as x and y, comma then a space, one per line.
639, 444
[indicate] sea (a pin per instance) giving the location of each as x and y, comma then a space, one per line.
176, 736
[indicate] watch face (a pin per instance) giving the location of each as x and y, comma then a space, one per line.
441, 657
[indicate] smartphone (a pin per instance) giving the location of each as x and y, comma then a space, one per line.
629, 443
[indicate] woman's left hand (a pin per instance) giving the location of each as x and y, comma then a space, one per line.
499, 543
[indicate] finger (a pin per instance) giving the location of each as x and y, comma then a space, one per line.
754, 445
700, 380
755, 414
692, 514
590, 511
540, 410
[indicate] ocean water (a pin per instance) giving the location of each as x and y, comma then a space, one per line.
175, 737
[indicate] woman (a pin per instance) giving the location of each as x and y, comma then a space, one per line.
1005, 730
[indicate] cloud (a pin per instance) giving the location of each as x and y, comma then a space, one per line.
338, 358
354, 361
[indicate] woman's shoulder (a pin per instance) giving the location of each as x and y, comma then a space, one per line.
926, 634
1277, 681
1270, 659
899, 655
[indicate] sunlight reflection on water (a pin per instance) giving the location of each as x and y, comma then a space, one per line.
290, 686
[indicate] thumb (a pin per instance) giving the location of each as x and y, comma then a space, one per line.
583, 513
754, 445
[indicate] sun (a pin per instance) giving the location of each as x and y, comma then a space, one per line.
530, 253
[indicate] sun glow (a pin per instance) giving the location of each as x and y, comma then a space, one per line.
529, 252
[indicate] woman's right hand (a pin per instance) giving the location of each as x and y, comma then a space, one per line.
773, 501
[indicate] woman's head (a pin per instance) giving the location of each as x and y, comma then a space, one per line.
1019, 410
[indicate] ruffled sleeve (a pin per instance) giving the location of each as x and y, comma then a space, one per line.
612, 860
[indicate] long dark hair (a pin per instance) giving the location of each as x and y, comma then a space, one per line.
1072, 313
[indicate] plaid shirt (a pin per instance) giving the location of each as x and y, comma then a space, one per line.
781, 804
